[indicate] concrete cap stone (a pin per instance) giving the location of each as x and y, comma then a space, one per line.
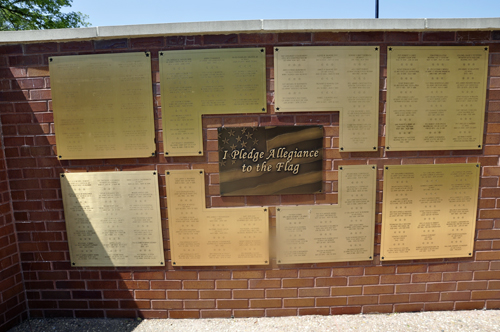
249, 26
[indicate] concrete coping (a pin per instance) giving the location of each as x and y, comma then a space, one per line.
250, 26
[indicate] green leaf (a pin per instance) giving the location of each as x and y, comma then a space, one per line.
38, 15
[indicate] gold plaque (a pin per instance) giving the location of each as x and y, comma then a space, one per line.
331, 233
103, 106
201, 236
429, 211
328, 79
113, 218
212, 81
436, 97
270, 160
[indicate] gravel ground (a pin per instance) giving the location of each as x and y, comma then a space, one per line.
442, 321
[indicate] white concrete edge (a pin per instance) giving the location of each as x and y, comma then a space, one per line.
250, 26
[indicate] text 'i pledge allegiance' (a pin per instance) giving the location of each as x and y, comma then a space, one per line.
260, 156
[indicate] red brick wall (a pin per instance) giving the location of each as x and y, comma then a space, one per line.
12, 294
54, 288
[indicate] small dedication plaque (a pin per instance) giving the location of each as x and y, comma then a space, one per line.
113, 218
331, 233
270, 160
201, 236
436, 97
429, 211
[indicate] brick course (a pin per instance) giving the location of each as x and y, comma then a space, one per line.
12, 290
32, 218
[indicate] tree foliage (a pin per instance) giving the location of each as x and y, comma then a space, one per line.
38, 15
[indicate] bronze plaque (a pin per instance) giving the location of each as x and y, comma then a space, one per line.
270, 160
436, 97
331, 233
429, 211
113, 218
328, 79
212, 81
103, 106
209, 237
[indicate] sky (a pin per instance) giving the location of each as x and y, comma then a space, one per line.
128, 12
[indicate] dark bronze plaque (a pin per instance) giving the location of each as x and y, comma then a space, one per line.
270, 160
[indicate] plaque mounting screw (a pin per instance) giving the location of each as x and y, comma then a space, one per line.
161, 53
263, 109
154, 173
62, 175
390, 48
60, 157
470, 254
153, 153
262, 50
276, 49
387, 168
75, 264
173, 263
168, 173
265, 262
147, 54
265, 210
374, 148
199, 152
381, 257
277, 108
376, 48
485, 48
340, 168
341, 149
279, 262
370, 257
201, 172
477, 165
387, 148
166, 153
50, 59
479, 146
161, 263
373, 167
279, 209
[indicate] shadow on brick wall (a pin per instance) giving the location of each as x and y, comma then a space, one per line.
13, 307
53, 288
